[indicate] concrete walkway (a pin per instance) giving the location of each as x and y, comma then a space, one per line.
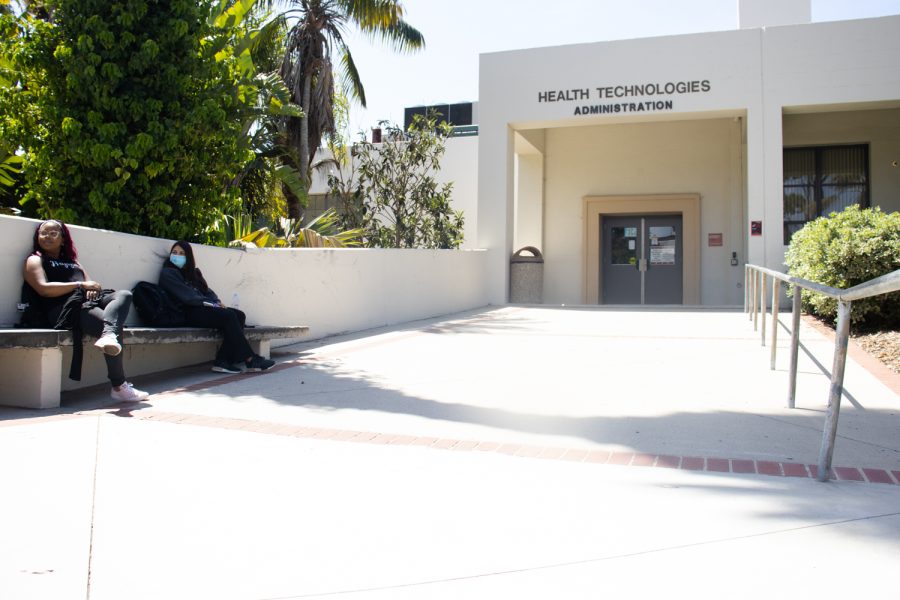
512, 452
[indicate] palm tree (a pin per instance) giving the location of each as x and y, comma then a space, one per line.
309, 64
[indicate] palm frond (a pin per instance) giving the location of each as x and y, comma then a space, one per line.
351, 80
292, 179
323, 232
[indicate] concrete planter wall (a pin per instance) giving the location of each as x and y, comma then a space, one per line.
330, 290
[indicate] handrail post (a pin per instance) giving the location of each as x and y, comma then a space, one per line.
841, 338
776, 300
762, 309
752, 315
746, 304
795, 346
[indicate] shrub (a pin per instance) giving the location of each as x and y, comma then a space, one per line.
846, 249
129, 114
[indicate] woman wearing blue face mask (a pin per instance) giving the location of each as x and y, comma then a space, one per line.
184, 282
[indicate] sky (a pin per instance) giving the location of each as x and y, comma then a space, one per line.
457, 31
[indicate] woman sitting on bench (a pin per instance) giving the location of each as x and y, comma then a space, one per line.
65, 298
184, 282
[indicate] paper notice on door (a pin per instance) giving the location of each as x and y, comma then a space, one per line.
662, 255
662, 245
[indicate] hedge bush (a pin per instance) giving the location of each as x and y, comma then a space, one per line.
844, 250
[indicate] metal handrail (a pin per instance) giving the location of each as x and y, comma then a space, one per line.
755, 302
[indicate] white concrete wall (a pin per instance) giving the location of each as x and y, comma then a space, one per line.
644, 159
330, 290
529, 202
459, 166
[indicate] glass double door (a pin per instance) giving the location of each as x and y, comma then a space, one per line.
641, 259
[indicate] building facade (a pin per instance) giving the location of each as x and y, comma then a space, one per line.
649, 171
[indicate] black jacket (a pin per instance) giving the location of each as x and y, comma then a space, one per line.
173, 282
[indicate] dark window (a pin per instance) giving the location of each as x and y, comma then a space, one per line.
821, 180
455, 114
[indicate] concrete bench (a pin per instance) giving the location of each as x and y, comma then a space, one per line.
33, 375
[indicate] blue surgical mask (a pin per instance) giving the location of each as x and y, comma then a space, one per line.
179, 260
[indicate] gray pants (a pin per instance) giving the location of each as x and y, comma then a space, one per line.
109, 317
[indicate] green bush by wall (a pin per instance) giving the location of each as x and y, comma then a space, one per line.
844, 250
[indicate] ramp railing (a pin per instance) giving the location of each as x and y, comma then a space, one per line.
755, 287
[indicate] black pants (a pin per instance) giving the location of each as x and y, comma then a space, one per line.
109, 317
230, 321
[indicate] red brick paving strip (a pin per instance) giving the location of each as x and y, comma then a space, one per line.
766, 467
424, 441
814, 472
552, 453
529, 451
621, 458
848, 474
742, 466
877, 476
597, 456
643, 460
688, 463
693, 463
668, 462
403, 440
575, 455
719, 465
464, 446
487, 446
795, 470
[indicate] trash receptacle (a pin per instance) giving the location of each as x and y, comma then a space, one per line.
526, 277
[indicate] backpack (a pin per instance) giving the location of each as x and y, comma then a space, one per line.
30, 314
155, 307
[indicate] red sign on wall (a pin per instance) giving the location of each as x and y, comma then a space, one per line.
755, 227
715, 239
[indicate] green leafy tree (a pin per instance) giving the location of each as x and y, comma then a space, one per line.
10, 162
397, 201
130, 114
261, 179
315, 49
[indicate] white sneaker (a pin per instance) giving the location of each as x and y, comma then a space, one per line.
109, 344
128, 393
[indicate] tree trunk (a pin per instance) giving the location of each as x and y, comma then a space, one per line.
293, 202
295, 211
304, 129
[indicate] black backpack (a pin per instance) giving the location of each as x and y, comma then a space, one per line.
31, 315
155, 307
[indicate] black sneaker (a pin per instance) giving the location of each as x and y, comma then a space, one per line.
220, 366
258, 363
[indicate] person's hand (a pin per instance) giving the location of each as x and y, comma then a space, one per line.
91, 289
